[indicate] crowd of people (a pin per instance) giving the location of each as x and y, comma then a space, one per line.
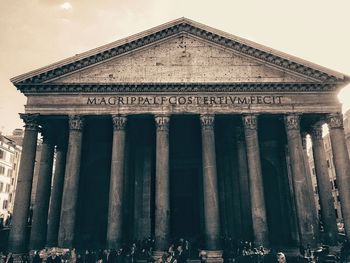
180, 251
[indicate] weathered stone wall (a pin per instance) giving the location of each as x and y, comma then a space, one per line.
182, 58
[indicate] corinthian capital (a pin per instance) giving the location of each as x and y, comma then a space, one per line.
162, 122
335, 120
30, 120
119, 122
292, 122
250, 121
316, 131
207, 121
76, 122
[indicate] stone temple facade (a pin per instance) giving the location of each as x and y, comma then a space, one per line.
179, 131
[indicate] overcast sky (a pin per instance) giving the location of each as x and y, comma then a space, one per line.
35, 33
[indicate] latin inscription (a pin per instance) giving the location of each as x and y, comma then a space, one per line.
184, 100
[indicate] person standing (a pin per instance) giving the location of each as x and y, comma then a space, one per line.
53, 258
9, 258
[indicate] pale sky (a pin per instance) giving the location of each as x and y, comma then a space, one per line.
35, 33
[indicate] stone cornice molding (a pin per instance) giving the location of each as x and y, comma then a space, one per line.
76, 122
31, 121
335, 121
119, 122
162, 122
207, 121
177, 87
182, 26
292, 121
250, 121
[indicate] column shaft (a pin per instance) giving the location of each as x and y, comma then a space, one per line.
302, 202
56, 197
18, 231
210, 185
324, 187
42, 198
342, 165
71, 183
246, 213
162, 188
257, 199
142, 214
114, 227
310, 189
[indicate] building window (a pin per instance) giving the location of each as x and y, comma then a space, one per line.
313, 171
1, 187
2, 170
316, 190
10, 197
335, 184
328, 164
2, 154
7, 189
4, 204
9, 173
12, 181
338, 198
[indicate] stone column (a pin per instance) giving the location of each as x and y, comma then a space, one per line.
302, 202
142, 208
162, 188
324, 186
310, 188
246, 214
210, 185
56, 195
114, 227
257, 199
43, 191
71, 183
18, 231
342, 165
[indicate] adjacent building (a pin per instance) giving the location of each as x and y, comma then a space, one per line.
10, 153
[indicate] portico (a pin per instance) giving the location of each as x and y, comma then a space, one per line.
179, 131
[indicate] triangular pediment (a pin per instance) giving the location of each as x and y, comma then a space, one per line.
185, 59
181, 51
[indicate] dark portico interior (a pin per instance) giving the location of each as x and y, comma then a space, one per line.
186, 185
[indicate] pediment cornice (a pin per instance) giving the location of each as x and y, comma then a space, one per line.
118, 48
177, 87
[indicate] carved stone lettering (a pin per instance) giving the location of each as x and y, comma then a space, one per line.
199, 100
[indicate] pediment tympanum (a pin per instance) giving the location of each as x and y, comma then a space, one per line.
181, 59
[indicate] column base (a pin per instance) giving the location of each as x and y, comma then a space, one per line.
214, 256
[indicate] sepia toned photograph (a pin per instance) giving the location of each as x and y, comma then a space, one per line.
174, 131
